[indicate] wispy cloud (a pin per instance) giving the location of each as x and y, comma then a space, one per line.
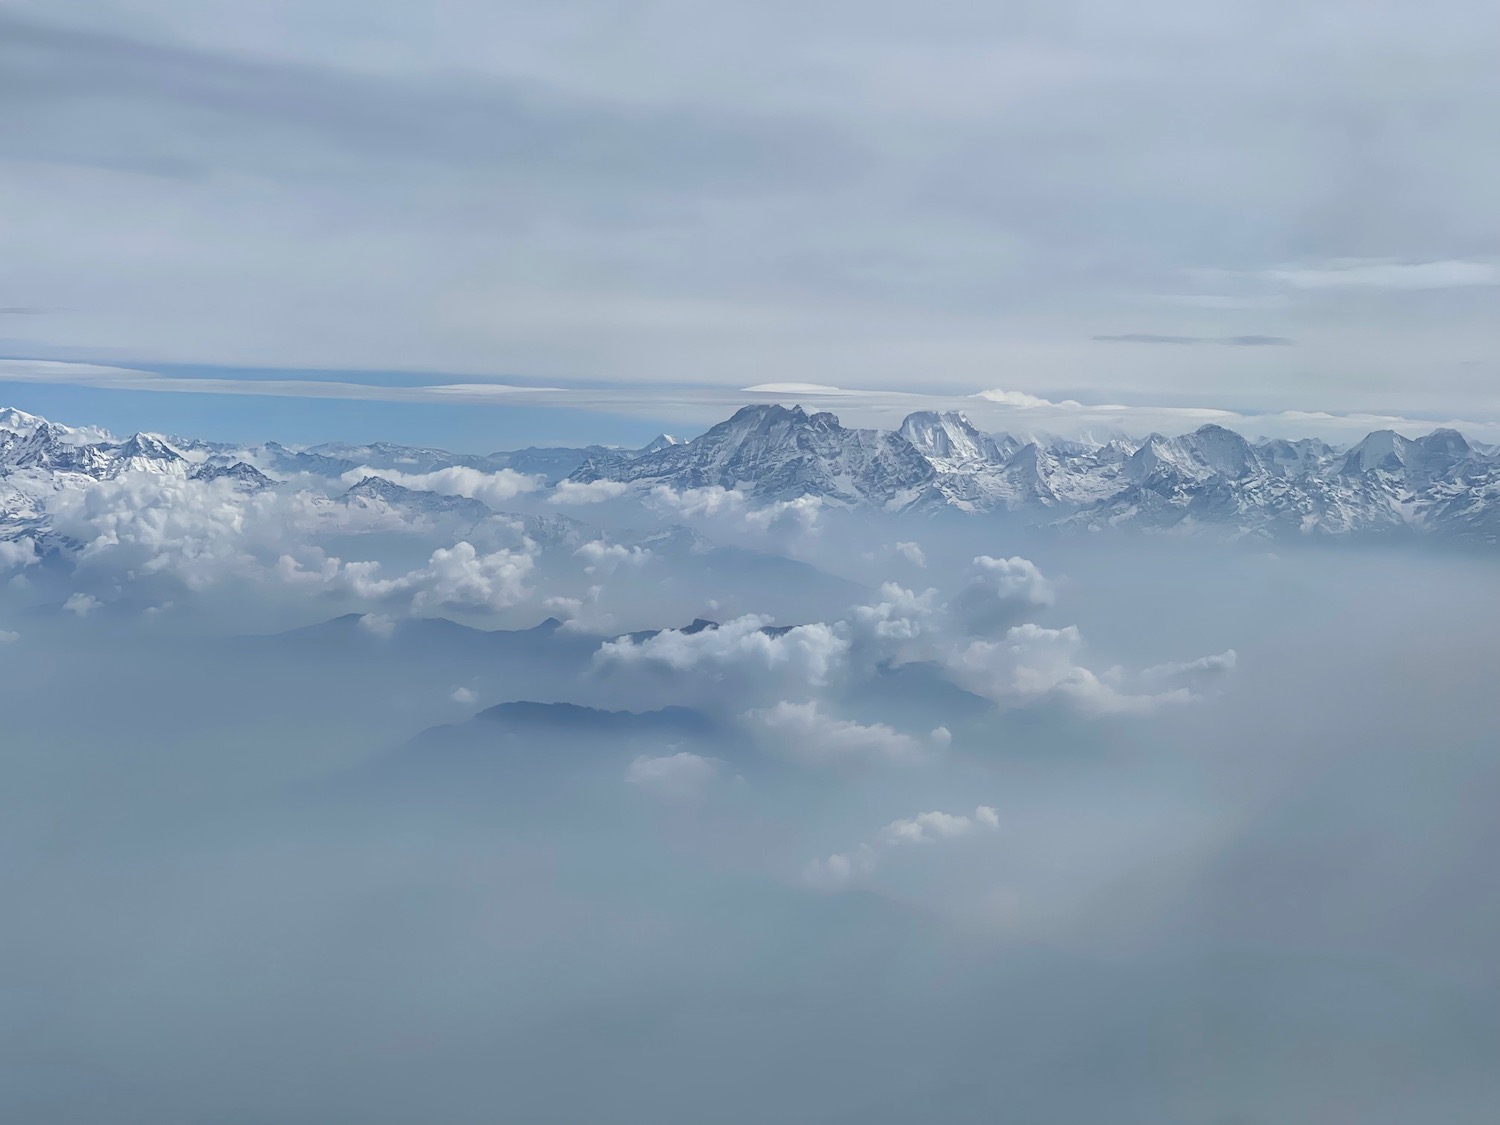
1234, 341
994, 409
1379, 274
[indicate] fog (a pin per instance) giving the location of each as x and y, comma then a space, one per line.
1107, 829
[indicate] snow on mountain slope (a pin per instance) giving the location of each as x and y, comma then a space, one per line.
951, 440
779, 454
1212, 479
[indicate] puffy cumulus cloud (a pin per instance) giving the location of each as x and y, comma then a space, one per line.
17, 553
1034, 663
734, 508
1028, 662
929, 827
911, 552
804, 653
456, 480
462, 695
803, 732
581, 615
152, 523
378, 624
456, 577
601, 557
587, 492
899, 615
699, 503
844, 868
678, 778
1000, 592
81, 605
799, 515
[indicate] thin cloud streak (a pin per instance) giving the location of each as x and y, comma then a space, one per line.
993, 409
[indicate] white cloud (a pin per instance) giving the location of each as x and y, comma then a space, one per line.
794, 389
9, 637
462, 695
901, 615
735, 508
679, 777
456, 480
800, 514
1033, 663
587, 492
999, 592
458, 577
581, 615
1383, 274
698, 503
1192, 673
912, 553
17, 552
844, 868
461, 577
806, 653
378, 624
604, 558
1020, 400
929, 827
804, 733
81, 605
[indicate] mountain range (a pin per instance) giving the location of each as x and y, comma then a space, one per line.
1212, 479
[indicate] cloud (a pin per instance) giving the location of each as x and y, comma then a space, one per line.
735, 508
677, 778
457, 577
490, 488
9, 637
1000, 592
995, 409
795, 389
1033, 663
81, 605
1383, 274
899, 618
1021, 400
603, 558
17, 552
842, 869
911, 552
1234, 341
697, 503
1194, 674
805, 653
583, 614
378, 624
587, 492
804, 733
462, 695
930, 827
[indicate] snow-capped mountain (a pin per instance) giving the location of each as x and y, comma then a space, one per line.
780, 454
952, 441
1212, 479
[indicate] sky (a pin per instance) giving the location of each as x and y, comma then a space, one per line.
1252, 208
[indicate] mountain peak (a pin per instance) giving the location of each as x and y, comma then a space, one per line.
949, 436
